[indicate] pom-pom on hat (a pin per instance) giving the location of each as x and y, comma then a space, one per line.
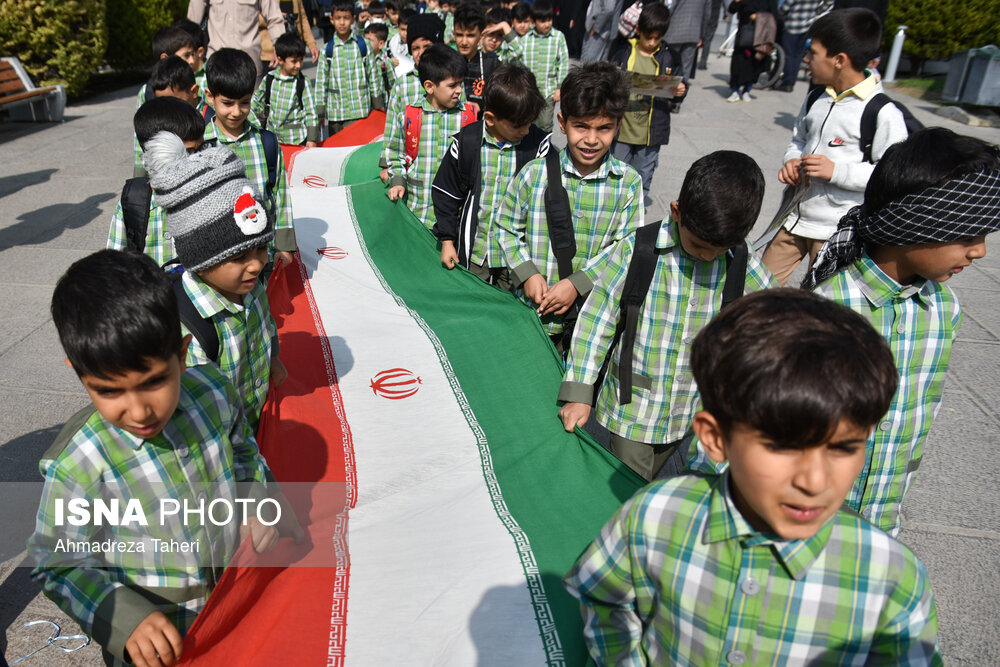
213, 212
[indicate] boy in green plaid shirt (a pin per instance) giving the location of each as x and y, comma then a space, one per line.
928, 207
345, 74
718, 205
543, 50
155, 429
414, 152
220, 230
231, 79
605, 199
284, 102
762, 565
157, 115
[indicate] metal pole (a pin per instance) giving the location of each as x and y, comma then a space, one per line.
894, 55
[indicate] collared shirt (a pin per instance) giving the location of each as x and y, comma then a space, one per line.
684, 295
234, 23
248, 338
207, 441
159, 244
436, 129
919, 322
498, 161
799, 14
547, 57
344, 82
678, 577
606, 206
249, 147
293, 124
862, 90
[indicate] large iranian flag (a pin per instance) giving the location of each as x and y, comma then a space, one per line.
422, 402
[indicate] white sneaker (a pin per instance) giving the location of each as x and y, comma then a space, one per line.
734, 97
747, 97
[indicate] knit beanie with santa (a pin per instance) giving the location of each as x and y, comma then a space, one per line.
213, 212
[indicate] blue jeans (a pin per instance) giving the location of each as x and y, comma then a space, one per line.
795, 48
644, 159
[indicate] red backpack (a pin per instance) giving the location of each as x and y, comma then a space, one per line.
413, 118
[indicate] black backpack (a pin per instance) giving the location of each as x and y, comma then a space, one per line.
869, 118
562, 238
300, 86
641, 268
200, 327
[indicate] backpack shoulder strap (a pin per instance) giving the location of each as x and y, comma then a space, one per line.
813, 97
639, 277
269, 80
413, 118
271, 152
329, 48
137, 198
470, 144
362, 45
209, 114
869, 119
560, 219
736, 274
300, 87
470, 113
66, 433
201, 327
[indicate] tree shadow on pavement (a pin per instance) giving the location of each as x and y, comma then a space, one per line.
11, 184
49, 222
785, 120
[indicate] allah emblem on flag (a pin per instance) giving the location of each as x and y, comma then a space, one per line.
332, 252
395, 383
314, 181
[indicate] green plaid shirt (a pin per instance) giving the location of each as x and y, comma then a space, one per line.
684, 295
159, 245
547, 57
498, 161
206, 441
250, 149
919, 322
606, 207
293, 124
406, 91
248, 337
343, 82
436, 130
678, 577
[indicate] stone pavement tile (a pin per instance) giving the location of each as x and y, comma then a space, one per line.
37, 265
981, 304
64, 225
31, 422
973, 369
961, 455
965, 576
37, 363
25, 308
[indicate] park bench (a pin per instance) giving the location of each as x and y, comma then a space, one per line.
22, 100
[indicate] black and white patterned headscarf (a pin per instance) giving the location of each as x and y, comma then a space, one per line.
963, 207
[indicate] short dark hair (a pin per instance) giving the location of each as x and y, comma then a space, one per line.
927, 158
511, 93
395, 5
542, 10
470, 17
521, 11
440, 62
167, 114
721, 197
380, 30
342, 6
171, 72
856, 32
172, 39
498, 15
376, 8
594, 88
114, 311
654, 19
405, 15
193, 29
230, 73
792, 364
289, 45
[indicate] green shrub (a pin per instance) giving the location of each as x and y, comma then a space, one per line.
58, 41
132, 24
938, 28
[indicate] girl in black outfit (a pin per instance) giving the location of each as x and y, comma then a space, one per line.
744, 68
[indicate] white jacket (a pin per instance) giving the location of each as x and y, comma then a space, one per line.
832, 127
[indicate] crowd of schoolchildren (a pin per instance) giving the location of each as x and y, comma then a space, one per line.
779, 431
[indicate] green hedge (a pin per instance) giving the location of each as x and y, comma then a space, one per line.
135, 21
938, 28
57, 40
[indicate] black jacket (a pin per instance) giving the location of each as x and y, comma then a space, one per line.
459, 182
659, 124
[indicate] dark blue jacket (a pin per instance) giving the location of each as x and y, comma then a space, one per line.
659, 122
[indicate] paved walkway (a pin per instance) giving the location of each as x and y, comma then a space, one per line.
58, 189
